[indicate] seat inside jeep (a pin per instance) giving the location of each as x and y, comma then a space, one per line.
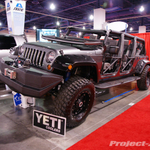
112, 49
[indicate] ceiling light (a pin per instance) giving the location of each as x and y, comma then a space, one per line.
141, 8
57, 23
52, 6
83, 27
131, 29
0, 24
80, 33
34, 27
91, 17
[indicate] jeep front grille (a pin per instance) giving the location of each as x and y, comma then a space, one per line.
36, 56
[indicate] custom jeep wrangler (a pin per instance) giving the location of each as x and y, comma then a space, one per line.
74, 67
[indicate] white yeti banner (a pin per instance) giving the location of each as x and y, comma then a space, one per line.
15, 11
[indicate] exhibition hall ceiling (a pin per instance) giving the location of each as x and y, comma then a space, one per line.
77, 13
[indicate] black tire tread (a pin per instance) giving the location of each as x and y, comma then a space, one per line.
142, 82
65, 95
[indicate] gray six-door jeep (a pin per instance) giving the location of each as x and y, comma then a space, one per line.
72, 68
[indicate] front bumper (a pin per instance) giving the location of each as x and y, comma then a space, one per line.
30, 81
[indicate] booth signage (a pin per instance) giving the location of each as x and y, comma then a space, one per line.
47, 32
15, 11
17, 99
49, 122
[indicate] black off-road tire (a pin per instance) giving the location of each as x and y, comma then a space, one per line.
75, 100
144, 82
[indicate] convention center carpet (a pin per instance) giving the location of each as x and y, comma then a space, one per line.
129, 130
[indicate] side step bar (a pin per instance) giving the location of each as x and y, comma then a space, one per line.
109, 84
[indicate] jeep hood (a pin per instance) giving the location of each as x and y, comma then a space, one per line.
67, 49
53, 46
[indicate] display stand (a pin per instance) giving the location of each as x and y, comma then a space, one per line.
26, 101
15, 11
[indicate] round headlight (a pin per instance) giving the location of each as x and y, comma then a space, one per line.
50, 57
14, 50
21, 50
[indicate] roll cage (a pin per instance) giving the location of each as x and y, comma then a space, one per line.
121, 49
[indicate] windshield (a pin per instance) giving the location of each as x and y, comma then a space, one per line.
84, 37
90, 35
79, 38
81, 47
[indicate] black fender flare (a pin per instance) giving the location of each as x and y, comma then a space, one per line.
62, 62
141, 65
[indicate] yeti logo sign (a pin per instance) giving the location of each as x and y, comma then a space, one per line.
18, 7
8, 6
49, 122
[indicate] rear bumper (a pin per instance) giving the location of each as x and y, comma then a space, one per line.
30, 81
